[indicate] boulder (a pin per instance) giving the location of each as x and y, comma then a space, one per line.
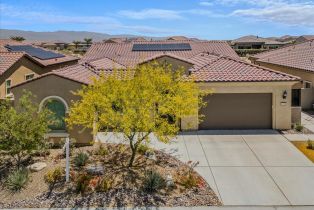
95, 169
37, 166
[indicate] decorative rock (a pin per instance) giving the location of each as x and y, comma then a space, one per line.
151, 155
37, 166
169, 181
95, 169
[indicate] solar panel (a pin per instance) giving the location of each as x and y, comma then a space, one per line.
161, 47
35, 51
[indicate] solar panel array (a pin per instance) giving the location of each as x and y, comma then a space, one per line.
161, 47
35, 51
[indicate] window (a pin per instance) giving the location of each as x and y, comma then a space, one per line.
58, 114
307, 84
29, 76
296, 97
8, 87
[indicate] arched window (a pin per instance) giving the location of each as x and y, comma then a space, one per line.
59, 108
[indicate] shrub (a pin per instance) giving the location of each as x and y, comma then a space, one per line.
298, 127
102, 151
52, 177
80, 159
143, 148
153, 181
104, 185
17, 179
310, 144
189, 179
82, 182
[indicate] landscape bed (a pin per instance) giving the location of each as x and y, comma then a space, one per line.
116, 185
303, 147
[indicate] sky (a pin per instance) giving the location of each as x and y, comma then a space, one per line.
205, 19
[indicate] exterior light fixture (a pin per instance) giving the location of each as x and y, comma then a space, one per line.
284, 94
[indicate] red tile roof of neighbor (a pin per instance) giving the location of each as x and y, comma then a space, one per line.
206, 66
8, 59
300, 56
256, 39
48, 62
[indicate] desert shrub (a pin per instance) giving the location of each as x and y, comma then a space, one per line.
102, 151
189, 179
153, 181
104, 185
80, 159
17, 180
298, 127
310, 144
143, 148
52, 177
82, 182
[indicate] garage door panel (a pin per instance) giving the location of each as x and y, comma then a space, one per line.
237, 111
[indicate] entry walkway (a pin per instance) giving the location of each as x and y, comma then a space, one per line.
245, 168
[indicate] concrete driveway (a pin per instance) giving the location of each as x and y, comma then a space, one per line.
245, 167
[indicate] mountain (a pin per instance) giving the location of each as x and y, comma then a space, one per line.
66, 36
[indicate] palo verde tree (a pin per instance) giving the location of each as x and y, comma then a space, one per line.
149, 99
22, 128
17, 38
88, 41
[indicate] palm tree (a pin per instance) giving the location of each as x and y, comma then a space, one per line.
88, 41
76, 43
17, 38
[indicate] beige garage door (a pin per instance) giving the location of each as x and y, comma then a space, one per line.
237, 111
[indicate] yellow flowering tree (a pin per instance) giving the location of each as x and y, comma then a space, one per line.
151, 98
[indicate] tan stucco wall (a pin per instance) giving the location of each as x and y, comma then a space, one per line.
307, 95
55, 86
17, 73
281, 109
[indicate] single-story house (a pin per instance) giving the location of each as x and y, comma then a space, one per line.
304, 38
255, 42
296, 60
19, 63
245, 96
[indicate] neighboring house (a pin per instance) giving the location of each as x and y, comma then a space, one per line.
304, 38
255, 42
19, 63
245, 96
296, 60
115, 40
177, 38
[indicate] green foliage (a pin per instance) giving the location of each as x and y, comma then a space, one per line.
88, 41
143, 148
80, 159
104, 185
102, 151
310, 144
22, 128
82, 182
153, 181
53, 176
151, 98
17, 180
76, 43
298, 127
17, 38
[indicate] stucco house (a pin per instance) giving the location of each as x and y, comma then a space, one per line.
304, 38
255, 42
246, 96
19, 63
296, 60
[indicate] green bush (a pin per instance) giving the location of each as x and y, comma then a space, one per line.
53, 176
310, 144
80, 159
142, 149
82, 182
102, 151
17, 180
104, 185
153, 181
298, 127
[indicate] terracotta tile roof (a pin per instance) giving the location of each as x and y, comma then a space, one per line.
308, 37
7, 59
255, 39
105, 64
66, 58
122, 52
226, 69
300, 56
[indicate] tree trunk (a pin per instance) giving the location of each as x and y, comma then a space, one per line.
132, 158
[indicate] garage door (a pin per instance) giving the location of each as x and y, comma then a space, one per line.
237, 111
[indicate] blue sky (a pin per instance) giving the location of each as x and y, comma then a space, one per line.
207, 19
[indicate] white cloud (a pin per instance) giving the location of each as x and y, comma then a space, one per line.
206, 3
151, 14
286, 13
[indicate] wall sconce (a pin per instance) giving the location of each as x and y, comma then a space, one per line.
284, 94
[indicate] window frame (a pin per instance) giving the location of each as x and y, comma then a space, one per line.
306, 83
25, 76
8, 89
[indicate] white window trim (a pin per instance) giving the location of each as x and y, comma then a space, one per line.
42, 103
6, 87
28, 75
